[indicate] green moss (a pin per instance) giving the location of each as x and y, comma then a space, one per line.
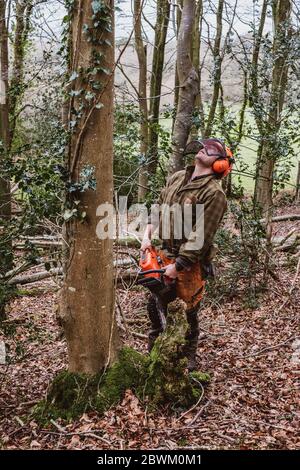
72, 394
159, 378
168, 379
201, 377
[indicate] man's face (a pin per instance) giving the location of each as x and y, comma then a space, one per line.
204, 159
207, 156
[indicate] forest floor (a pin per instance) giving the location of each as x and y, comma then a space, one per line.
252, 354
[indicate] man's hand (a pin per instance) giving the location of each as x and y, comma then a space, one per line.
146, 243
171, 271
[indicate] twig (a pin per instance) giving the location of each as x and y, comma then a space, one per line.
60, 428
200, 412
86, 434
194, 406
270, 348
275, 426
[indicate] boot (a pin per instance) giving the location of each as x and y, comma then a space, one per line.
190, 349
191, 354
156, 327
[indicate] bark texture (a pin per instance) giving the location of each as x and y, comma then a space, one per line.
267, 158
87, 300
141, 50
161, 28
188, 82
5, 197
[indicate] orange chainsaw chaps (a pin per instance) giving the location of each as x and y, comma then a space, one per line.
189, 283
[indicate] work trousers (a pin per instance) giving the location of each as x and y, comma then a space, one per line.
189, 287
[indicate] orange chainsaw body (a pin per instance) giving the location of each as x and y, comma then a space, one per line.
150, 260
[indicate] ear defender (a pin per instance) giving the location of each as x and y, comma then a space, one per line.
223, 165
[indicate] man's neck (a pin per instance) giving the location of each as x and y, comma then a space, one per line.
201, 171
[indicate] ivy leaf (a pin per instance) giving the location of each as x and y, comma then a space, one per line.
96, 6
89, 96
104, 70
73, 76
69, 213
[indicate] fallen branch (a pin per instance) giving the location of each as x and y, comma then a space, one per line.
281, 218
35, 277
38, 244
284, 239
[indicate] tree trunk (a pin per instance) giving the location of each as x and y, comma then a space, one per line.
23, 13
87, 298
189, 82
5, 197
264, 182
297, 197
196, 43
217, 71
141, 50
176, 81
161, 28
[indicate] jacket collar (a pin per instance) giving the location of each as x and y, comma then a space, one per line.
196, 184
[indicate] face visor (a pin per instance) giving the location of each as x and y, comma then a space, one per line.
213, 148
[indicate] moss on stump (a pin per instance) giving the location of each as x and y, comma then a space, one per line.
160, 378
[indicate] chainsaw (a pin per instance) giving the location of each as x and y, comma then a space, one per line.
151, 275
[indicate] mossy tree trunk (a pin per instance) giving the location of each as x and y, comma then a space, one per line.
281, 46
87, 297
17, 86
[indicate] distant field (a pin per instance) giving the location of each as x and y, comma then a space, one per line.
248, 155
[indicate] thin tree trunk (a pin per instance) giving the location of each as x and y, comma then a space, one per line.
23, 13
254, 75
5, 197
141, 50
87, 298
217, 71
196, 43
189, 83
161, 28
297, 197
264, 183
176, 82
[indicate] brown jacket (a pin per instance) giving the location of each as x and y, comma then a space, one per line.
205, 190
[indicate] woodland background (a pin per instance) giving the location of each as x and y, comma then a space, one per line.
92, 107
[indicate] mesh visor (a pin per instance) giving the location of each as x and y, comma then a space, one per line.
214, 147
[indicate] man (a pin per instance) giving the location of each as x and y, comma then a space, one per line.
185, 262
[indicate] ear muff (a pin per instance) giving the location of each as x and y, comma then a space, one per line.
224, 165
221, 165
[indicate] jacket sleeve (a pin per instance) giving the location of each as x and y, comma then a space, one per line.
214, 209
160, 198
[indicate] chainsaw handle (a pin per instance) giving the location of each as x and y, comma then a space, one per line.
151, 271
